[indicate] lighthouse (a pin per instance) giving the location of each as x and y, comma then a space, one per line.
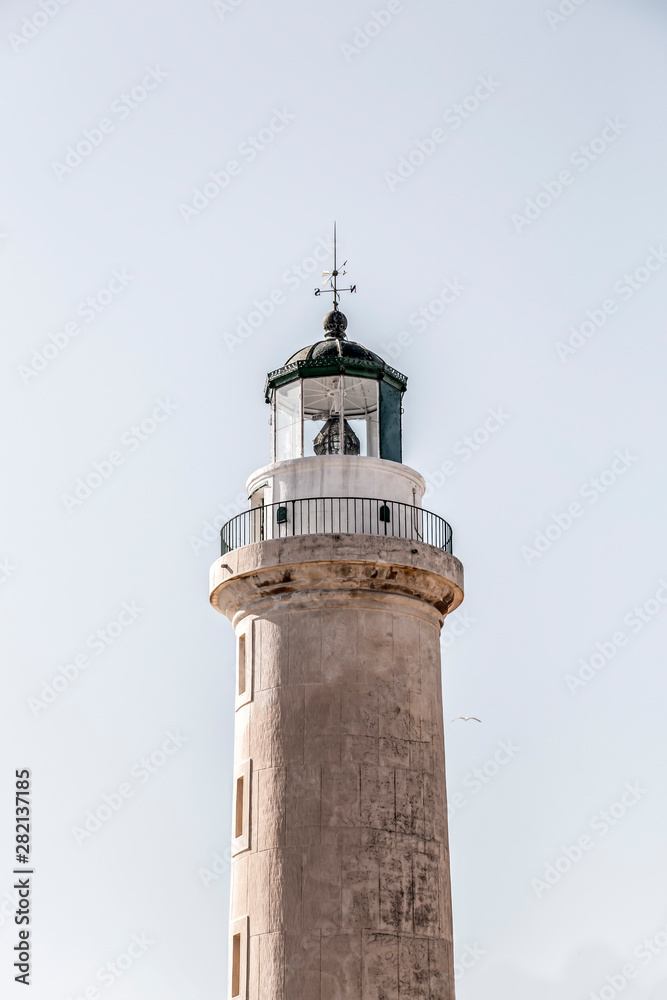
337, 582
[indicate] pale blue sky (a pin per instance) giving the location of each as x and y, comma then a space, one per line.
172, 286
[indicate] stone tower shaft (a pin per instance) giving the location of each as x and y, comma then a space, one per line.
340, 880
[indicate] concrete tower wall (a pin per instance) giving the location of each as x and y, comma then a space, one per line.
340, 874
338, 476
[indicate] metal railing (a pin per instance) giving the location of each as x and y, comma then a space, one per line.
335, 515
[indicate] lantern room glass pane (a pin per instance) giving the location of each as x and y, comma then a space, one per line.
360, 406
340, 415
321, 415
288, 422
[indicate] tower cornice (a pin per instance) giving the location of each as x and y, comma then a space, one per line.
306, 571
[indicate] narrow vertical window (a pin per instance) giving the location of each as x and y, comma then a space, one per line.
238, 959
244, 662
242, 665
241, 819
239, 807
236, 965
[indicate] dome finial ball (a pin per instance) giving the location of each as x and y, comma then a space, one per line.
335, 324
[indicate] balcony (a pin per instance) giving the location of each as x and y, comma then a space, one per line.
335, 515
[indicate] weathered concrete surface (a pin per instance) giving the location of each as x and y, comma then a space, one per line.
368, 570
345, 881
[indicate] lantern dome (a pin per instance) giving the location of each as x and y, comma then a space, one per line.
335, 347
336, 397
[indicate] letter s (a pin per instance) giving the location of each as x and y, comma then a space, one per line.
589, 493
122, 111
623, 290
579, 160
633, 622
247, 151
105, 977
642, 953
129, 440
291, 280
472, 783
599, 825
414, 319
460, 449
85, 312
94, 643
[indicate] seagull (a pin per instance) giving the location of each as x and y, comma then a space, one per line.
466, 718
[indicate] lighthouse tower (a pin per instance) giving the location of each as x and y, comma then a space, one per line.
337, 582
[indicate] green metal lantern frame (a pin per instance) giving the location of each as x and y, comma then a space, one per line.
392, 385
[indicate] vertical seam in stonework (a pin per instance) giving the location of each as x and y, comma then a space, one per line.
340, 911
428, 952
255, 788
283, 935
413, 888
393, 651
289, 652
254, 641
398, 960
422, 783
303, 734
303, 875
321, 791
357, 676
283, 792
362, 956
421, 690
440, 899
321, 631
339, 693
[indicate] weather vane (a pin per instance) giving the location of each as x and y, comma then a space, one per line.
332, 277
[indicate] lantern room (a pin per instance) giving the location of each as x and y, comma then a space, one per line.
335, 398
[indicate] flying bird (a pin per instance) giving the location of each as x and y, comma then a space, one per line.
466, 718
